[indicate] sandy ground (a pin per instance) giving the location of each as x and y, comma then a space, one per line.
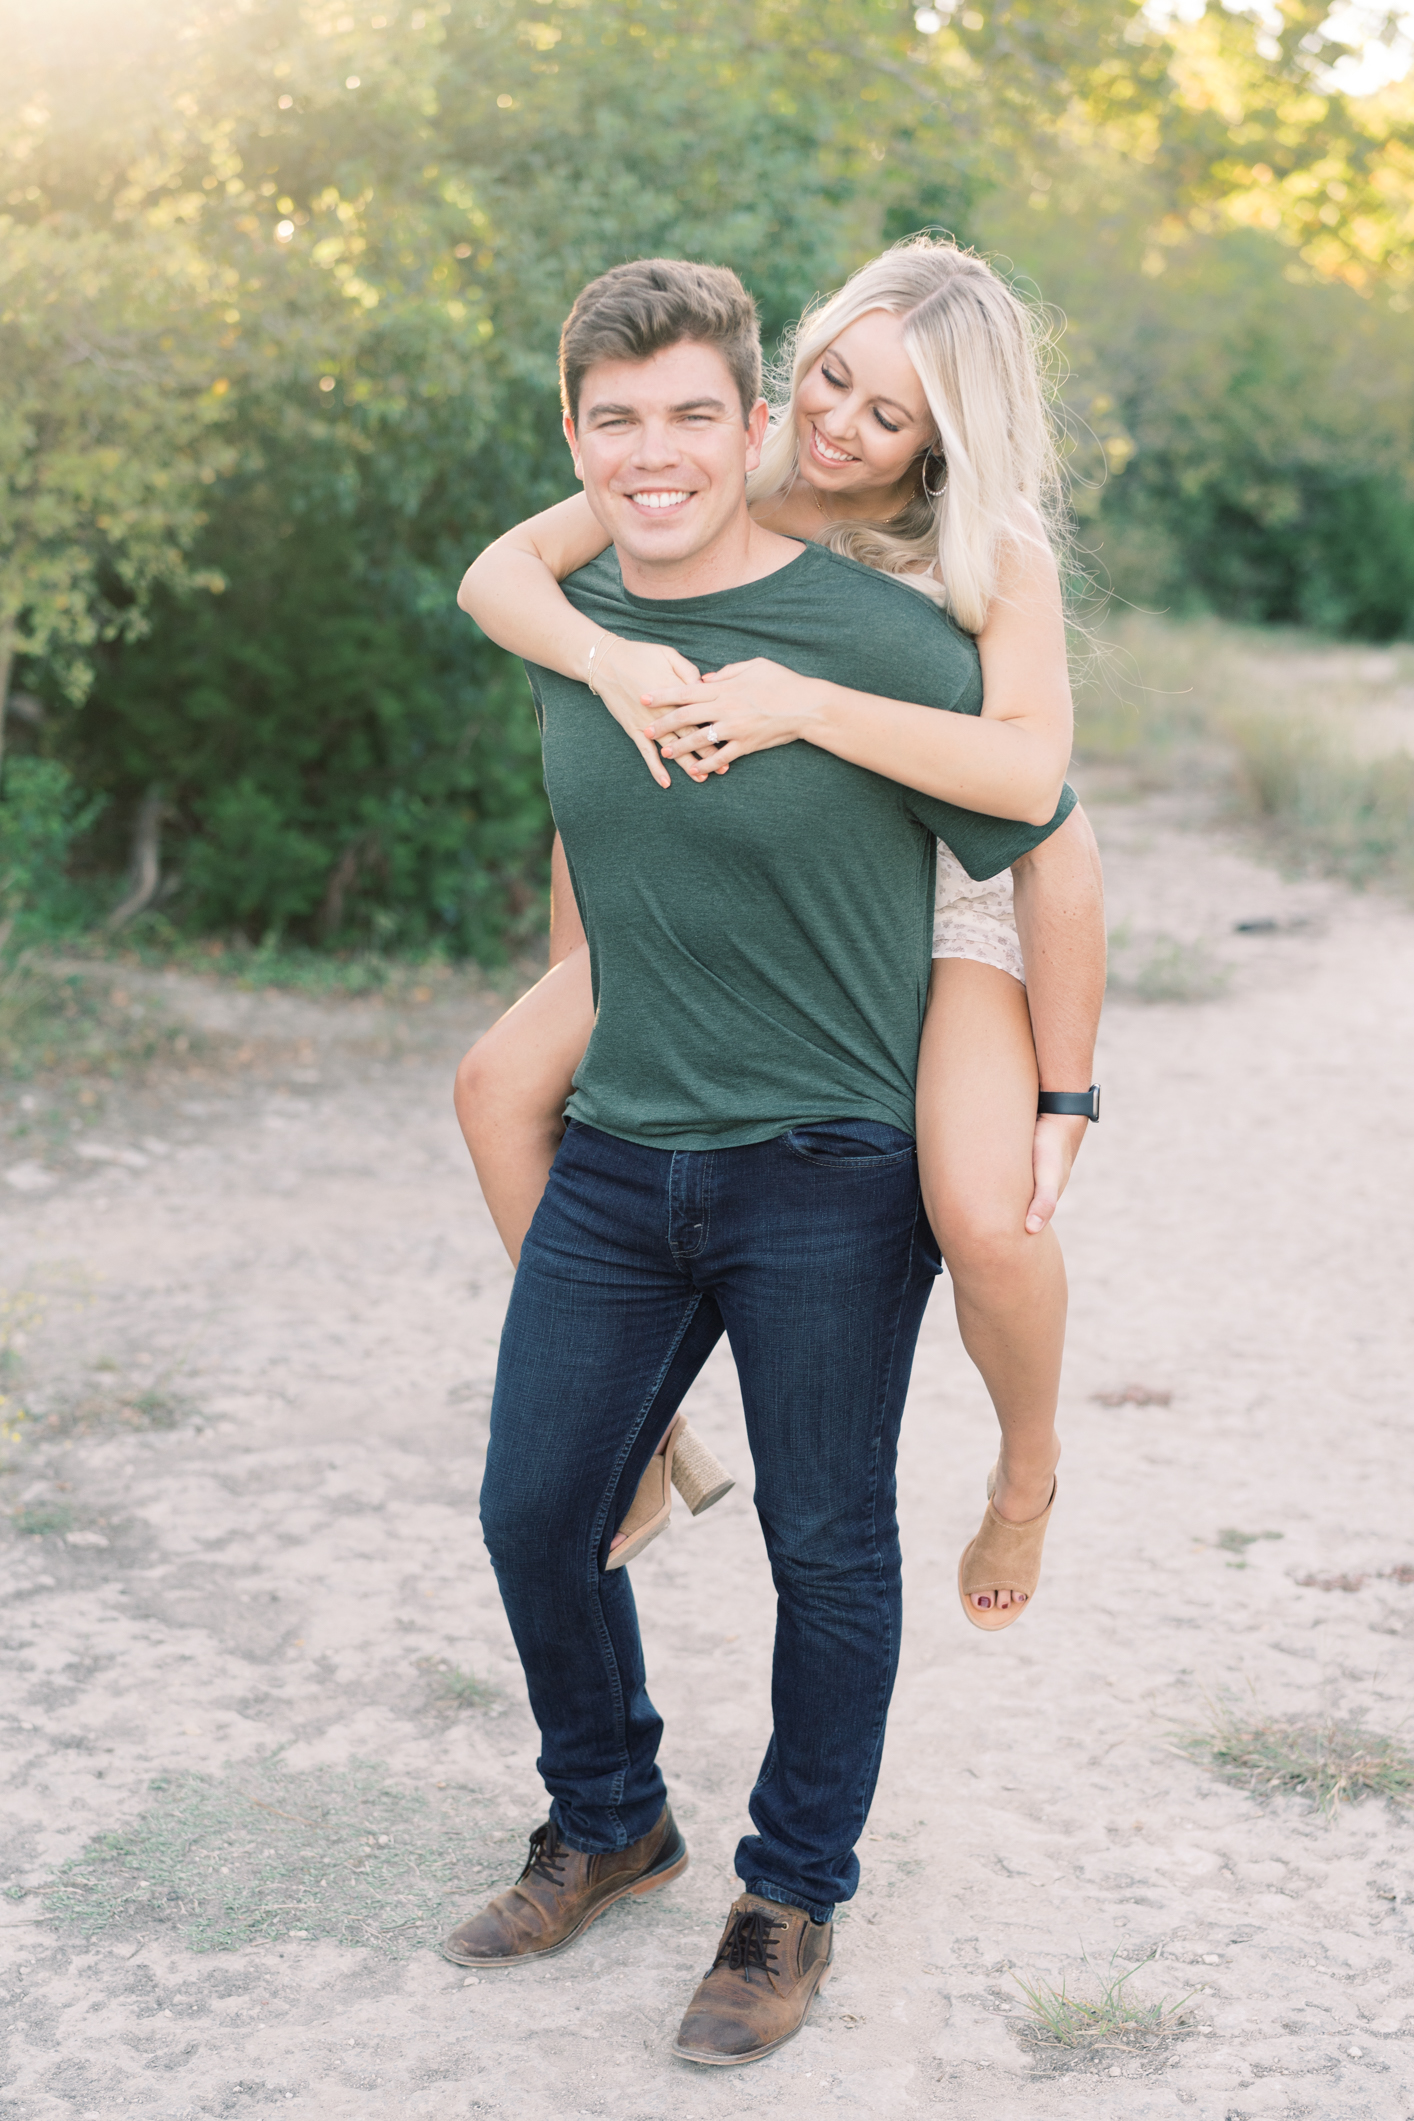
259, 1632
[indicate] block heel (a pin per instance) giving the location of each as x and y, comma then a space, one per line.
698, 1474
684, 1463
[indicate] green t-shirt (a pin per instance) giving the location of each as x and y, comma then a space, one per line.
760, 944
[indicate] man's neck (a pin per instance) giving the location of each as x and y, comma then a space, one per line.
744, 553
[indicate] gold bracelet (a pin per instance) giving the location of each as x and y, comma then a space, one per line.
589, 674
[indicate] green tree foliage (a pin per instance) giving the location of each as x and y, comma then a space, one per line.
391, 214
1242, 431
328, 252
105, 442
1247, 130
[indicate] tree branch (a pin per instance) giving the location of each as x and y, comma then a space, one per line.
146, 867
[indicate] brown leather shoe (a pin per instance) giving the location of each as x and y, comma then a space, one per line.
560, 1892
769, 1964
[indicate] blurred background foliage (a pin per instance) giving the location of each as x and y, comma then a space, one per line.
280, 287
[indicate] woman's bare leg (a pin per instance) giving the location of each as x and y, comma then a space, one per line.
976, 1124
511, 1090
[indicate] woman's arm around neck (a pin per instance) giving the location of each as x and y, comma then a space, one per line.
1025, 679
513, 590
1008, 762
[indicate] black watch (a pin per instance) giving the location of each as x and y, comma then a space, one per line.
1085, 1104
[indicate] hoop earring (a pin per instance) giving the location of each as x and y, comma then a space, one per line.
935, 456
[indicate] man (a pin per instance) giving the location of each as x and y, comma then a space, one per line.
739, 1157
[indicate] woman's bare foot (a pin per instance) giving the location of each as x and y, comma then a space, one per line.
1023, 1490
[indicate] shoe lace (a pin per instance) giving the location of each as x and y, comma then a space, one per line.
547, 1857
748, 1942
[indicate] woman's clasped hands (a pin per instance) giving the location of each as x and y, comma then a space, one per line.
706, 723
701, 722
627, 676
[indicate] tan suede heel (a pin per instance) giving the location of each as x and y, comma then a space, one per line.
684, 1463
1003, 1555
698, 1474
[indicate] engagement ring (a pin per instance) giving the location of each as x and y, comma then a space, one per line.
711, 733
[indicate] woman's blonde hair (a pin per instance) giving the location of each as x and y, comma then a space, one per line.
979, 352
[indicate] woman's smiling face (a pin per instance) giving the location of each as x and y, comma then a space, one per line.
862, 420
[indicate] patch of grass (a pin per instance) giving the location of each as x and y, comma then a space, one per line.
1309, 737
264, 1852
1139, 703
454, 1689
39, 1519
1175, 971
154, 941
1162, 968
1330, 1762
96, 1412
1231, 1541
71, 1022
272, 964
18, 1311
154, 1410
1356, 814
1107, 2017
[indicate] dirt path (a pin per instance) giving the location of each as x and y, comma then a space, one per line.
250, 1633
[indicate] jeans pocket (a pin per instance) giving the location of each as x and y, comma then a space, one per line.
850, 1143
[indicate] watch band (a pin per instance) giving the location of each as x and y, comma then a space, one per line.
1085, 1104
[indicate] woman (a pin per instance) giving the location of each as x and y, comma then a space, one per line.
916, 439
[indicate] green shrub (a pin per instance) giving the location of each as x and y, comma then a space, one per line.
1279, 543
345, 761
1242, 431
42, 812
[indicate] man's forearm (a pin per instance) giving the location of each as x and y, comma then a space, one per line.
1060, 918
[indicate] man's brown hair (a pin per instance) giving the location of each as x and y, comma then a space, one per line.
634, 311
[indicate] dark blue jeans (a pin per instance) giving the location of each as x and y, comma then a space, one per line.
812, 1253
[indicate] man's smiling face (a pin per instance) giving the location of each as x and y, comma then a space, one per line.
663, 448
